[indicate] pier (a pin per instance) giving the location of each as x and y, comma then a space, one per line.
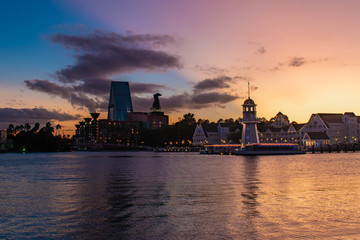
337, 148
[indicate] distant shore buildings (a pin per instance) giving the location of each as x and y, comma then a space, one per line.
322, 129
123, 124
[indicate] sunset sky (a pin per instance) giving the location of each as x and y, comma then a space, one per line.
58, 57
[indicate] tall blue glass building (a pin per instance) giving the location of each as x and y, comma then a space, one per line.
120, 101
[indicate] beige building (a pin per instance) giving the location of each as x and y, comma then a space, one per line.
321, 129
316, 139
340, 128
213, 133
279, 130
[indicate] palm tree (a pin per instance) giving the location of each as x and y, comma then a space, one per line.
10, 129
229, 121
203, 121
36, 127
49, 128
188, 119
16, 129
27, 127
58, 127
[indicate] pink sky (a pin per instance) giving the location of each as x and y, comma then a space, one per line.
302, 56
228, 34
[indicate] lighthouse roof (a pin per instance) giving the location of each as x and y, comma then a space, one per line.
249, 101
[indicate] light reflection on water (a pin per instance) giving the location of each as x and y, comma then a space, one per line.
111, 195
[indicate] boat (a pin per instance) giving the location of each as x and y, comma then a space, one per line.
220, 149
270, 149
160, 149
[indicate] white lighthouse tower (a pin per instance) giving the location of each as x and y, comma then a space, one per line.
249, 133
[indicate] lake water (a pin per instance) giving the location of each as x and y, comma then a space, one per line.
145, 195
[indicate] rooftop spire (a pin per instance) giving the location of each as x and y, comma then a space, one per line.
249, 89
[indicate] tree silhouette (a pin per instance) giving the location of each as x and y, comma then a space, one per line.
36, 127
58, 127
27, 127
49, 128
10, 129
188, 119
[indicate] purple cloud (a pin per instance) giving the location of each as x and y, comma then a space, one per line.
76, 95
185, 101
103, 54
213, 97
32, 115
261, 51
214, 83
296, 62
99, 55
136, 87
210, 69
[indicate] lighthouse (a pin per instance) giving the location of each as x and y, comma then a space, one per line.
249, 133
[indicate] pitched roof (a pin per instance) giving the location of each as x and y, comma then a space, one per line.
233, 128
350, 114
264, 127
331, 118
298, 126
317, 135
209, 127
286, 128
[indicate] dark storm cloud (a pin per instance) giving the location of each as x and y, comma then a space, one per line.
94, 86
169, 104
92, 104
214, 83
27, 114
146, 87
90, 93
100, 55
103, 54
49, 88
213, 97
76, 95
100, 40
97, 100
143, 104
176, 102
296, 62
185, 101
